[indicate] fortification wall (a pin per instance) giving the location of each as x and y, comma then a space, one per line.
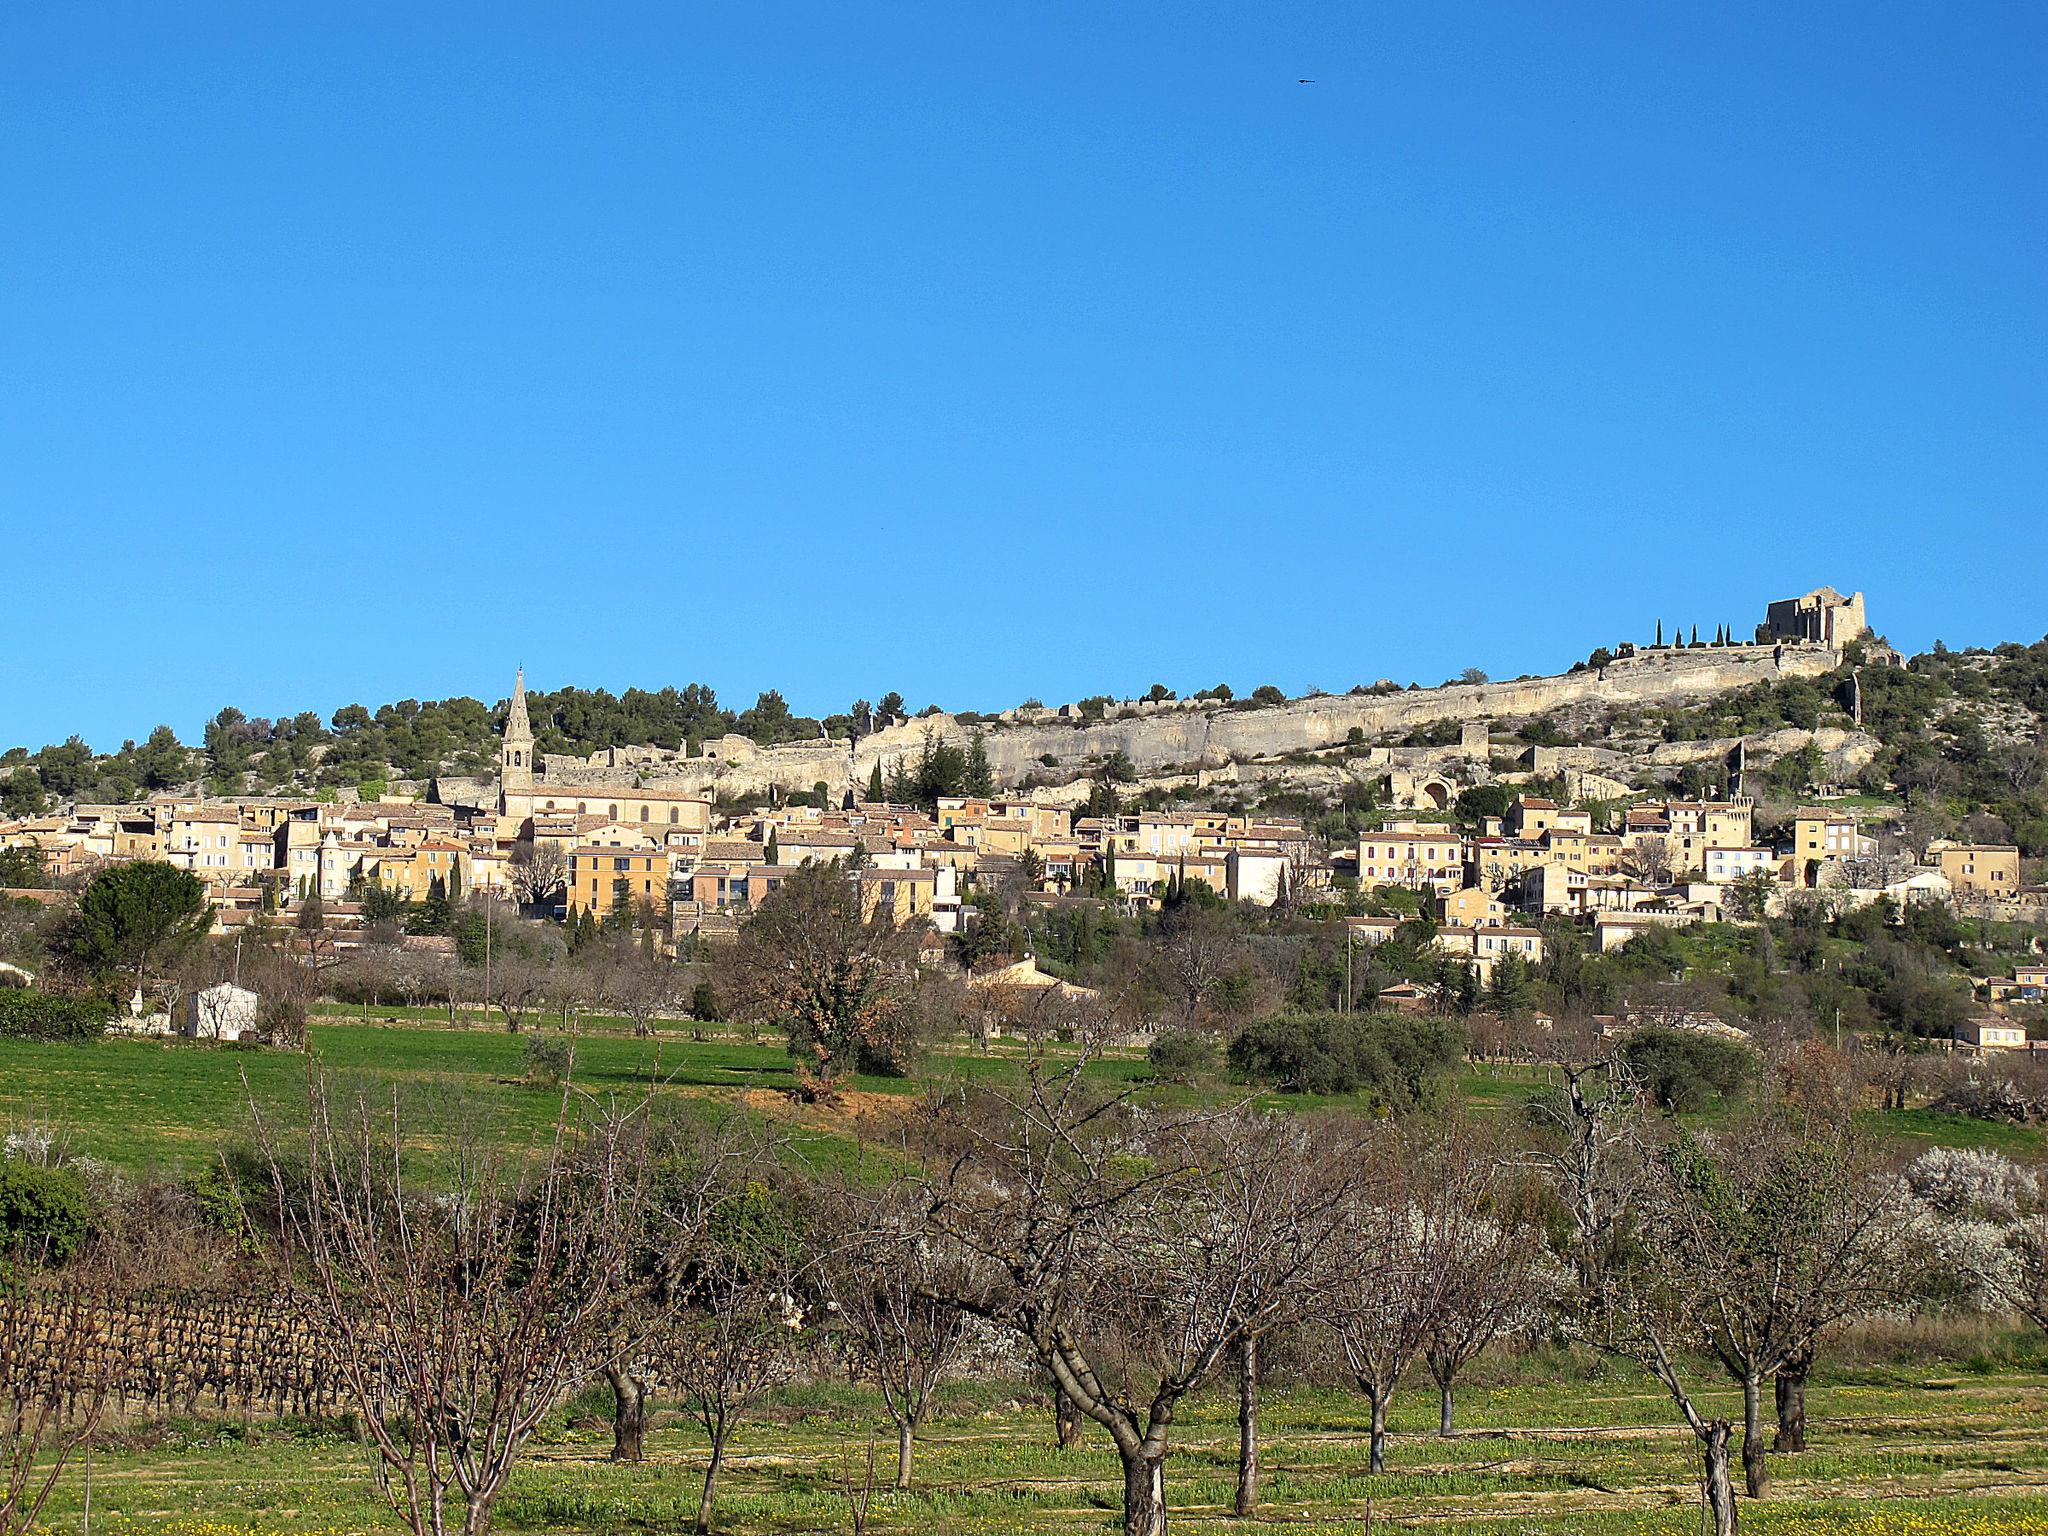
1217, 736
1211, 737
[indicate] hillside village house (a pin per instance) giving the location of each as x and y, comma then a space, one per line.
1411, 855
1820, 836
1978, 869
601, 880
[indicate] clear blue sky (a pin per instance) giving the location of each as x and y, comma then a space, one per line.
352, 353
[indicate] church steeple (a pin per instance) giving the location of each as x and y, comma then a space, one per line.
515, 755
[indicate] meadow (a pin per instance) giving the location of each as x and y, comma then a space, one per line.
1935, 1433
1552, 1443
163, 1108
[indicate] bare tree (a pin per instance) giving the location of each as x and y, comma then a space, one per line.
1763, 1241
461, 1311
641, 987
1601, 1165
1648, 858
1386, 1297
1870, 871
1199, 946
1105, 1238
884, 1278
518, 988
1284, 1193
1489, 1254
736, 1339
1745, 1257
539, 872
53, 1393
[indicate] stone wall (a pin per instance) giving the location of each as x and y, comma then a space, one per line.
1209, 737
1215, 736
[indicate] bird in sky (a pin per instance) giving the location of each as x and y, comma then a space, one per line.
1304, 82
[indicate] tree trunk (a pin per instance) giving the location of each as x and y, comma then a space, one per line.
1247, 1429
1754, 1473
905, 1439
1791, 1393
1718, 1491
1446, 1410
1144, 1494
629, 1421
1379, 1431
710, 1485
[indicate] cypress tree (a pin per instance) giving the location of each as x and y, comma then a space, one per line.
1660, 633
875, 783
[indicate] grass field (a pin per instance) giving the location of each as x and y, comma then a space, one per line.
163, 1107
1552, 1444
1948, 1446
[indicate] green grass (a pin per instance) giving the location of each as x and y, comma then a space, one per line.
1551, 1445
153, 1106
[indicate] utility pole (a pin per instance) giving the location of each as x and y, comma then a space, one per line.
1349, 934
489, 902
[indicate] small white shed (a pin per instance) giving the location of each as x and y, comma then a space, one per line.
223, 1011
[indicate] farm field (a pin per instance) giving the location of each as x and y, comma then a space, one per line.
163, 1107
1551, 1444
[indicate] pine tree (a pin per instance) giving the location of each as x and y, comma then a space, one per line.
979, 779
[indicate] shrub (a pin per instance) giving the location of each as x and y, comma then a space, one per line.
1184, 1056
28, 1015
1684, 1070
283, 1021
549, 1060
42, 1214
1400, 1062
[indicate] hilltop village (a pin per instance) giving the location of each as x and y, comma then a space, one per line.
1484, 839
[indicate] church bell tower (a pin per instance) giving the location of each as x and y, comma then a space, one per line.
515, 755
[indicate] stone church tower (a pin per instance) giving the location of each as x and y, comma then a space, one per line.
515, 755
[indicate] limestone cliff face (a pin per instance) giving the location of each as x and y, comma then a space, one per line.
1184, 737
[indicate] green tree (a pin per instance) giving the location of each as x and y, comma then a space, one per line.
21, 793
22, 868
137, 918
875, 790
162, 762
808, 961
979, 778
43, 1215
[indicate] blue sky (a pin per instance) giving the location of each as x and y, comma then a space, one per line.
358, 353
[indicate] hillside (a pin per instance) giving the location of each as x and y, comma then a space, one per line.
1960, 727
